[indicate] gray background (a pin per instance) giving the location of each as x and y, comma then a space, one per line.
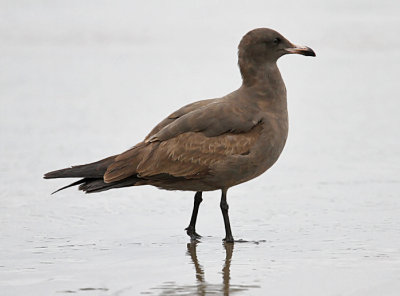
81, 80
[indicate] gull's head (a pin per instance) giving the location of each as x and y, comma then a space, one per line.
266, 45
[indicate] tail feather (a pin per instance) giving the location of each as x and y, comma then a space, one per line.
92, 170
91, 185
71, 185
92, 175
98, 185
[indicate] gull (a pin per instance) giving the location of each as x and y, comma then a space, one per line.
213, 144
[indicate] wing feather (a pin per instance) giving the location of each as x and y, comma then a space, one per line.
190, 141
191, 155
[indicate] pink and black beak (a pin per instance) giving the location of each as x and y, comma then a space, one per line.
304, 50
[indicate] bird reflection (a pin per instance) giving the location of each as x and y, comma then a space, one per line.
202, 287
201, 283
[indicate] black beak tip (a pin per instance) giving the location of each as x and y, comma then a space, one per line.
309, 52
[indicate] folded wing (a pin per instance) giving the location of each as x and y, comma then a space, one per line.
189, 145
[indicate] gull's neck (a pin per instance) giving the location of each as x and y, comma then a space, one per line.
260, 74
265, 79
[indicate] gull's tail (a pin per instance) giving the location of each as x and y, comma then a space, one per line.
92, 176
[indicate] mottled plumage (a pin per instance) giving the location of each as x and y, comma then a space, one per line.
210, 144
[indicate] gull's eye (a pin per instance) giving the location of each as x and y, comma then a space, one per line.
277, 40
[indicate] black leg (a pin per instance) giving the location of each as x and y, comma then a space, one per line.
224, 208
191, 229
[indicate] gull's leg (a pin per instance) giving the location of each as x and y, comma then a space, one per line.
224, 208
191, 229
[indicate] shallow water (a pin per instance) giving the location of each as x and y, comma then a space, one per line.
83, 81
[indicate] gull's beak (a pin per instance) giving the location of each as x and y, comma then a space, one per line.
304, 50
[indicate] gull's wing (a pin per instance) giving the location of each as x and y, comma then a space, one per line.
194, 139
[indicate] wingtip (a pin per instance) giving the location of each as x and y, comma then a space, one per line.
51, 175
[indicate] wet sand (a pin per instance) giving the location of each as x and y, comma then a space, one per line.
323, 221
